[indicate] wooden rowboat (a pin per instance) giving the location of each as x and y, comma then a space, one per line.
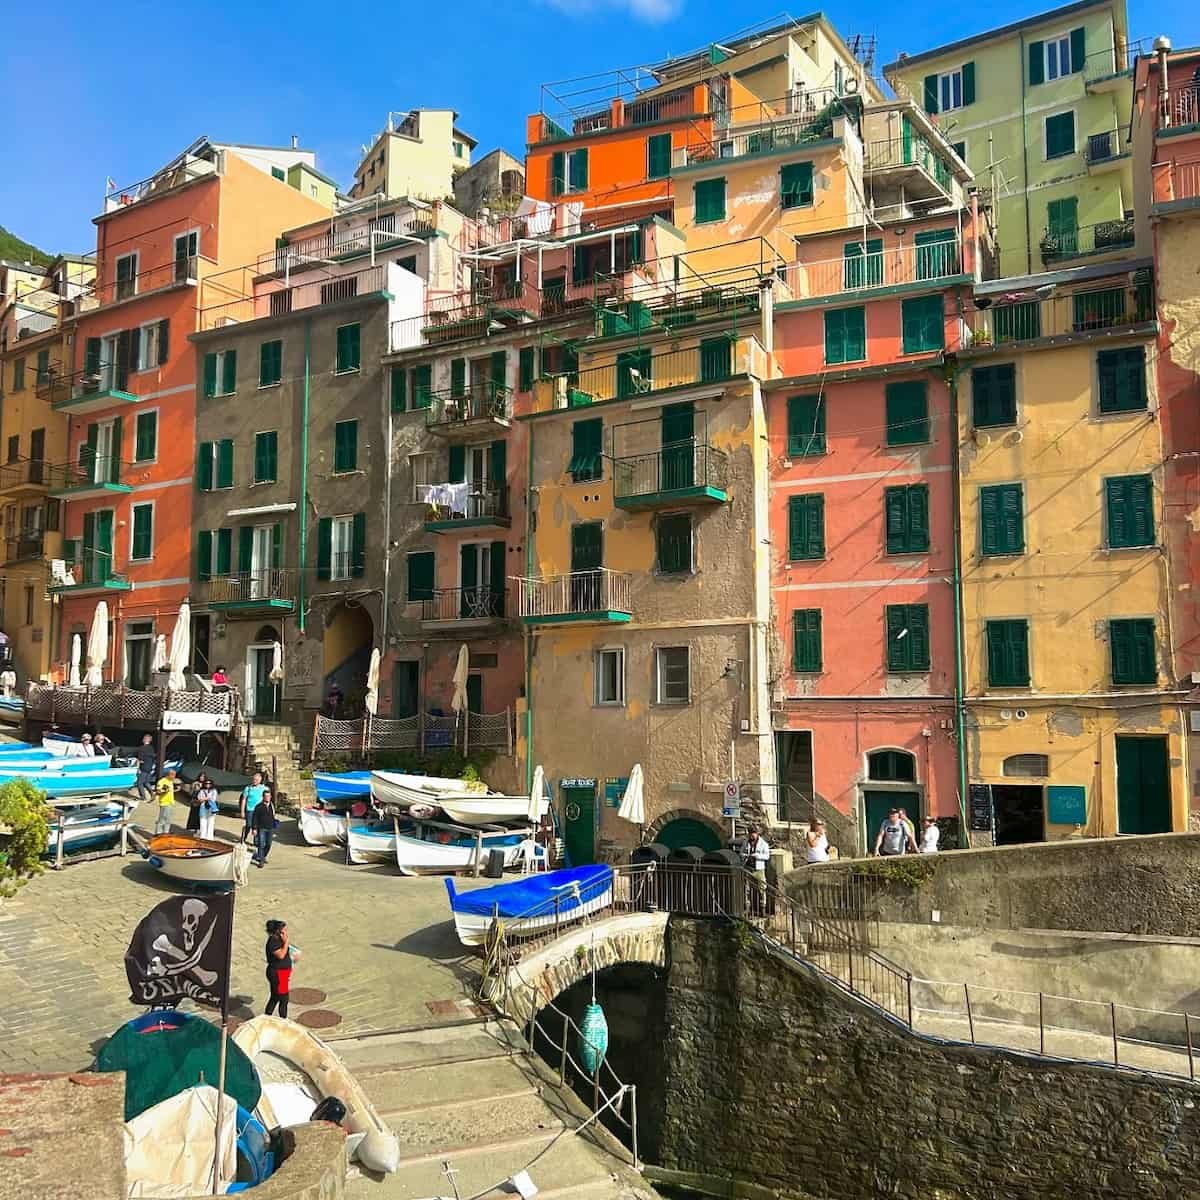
197, 860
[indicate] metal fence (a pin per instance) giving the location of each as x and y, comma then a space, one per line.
422, 733
462, 604
243, 587
578, 593
1100, 238
675, 467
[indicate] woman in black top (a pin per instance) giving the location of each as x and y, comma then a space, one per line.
279, 966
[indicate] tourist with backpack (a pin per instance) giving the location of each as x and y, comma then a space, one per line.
893, 836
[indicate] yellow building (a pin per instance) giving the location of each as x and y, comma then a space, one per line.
418, 156
1073, 717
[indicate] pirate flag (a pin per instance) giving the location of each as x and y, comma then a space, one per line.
181, 949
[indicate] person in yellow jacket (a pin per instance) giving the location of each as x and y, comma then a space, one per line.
164, 793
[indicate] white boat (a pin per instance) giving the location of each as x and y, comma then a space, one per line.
86, 825
402, 791
198, 860
486, 808
370, 841
462, 803
320, 827
438, 852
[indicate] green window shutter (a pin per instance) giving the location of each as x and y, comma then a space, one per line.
805, 426
225, 463
558, 173
87, 448
1078, 50
266, 457
204, 467
1129, 507
1001, 519
931, 94
937, 253
906, 519
968, 83
345, 446
907, 407
994, 395
579, 264
709, 199
349, 355
587, 439
458, 377
806, 527
422, 396
499, 370
91, 356
496, 570
270, 363
1122, 379
498, 463
1062, 224
525, 368
923, 324
673, 538
399, 379
806, 640
796, 185
716, 359
245, 548
1008, 653
918, 517
224, 542
1037, 62
458, 464
145, 441
143, 530
358, 545
658, 156
1133, 651
420, 575
272, 456
114, 462
1060, 135
277, 545
210, 373
579, 170
90, 574
204, 555
164, 340
229, 372
845, 335
324, 547
907, 630
468, 574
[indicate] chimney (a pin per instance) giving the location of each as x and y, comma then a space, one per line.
295, 142
1162, 47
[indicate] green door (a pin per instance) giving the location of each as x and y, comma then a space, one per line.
678, 447
876, 805
587, 557
406, 677
1143, 785
579, 824
474, 695
265, 692
687, 831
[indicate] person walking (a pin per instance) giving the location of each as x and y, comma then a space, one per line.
912, 829
279, 967
263, 819
930, 836
893, 836
758, 854
165, 792
206, 794
193, 798
147, 767
816, 843
252, 794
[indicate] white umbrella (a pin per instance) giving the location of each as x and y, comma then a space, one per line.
536, 795
181, 648
159, 661
276, 675
97, 646
459, 701
372, 700
76, 659
633, 803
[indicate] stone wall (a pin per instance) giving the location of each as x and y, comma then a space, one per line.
1123, 885
777, 1080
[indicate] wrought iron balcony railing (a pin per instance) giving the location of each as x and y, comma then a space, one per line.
27, 544
92, 471
1102, 147
874, 268
1101, 238
463, 604
28, 473
480, 401
681, 467
268, 587
1079, 312
449, 502
592, 593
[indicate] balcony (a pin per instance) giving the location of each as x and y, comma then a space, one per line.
482, 409
90, 390
1064, 316
476, 608
21, 479
896, 266
766, 138
1103, 152
1105, 237
23, 546
623, 113
685, 473
103, 476
182, 272
457, 506
277, 298
598, 596
184, 170
911, 162
93, 572
1183, 105
1175, 184
1106, 70
252, 593
350, 241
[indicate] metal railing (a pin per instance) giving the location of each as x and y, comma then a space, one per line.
74, 476
1102, 147
874, 268
479, 401
463, 604
475, 505
246, 587
1078, 312
277, 299
1101, 238
1183, 104
27, 471
390, 229
177, 271
423, 732
676, 467
24, 545
91, 568
183, 170
1185, 180
889, 154
1111, 61
576, 593
58, 387
760, 139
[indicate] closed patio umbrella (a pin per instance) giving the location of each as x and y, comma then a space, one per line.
97, 646
459, 700
372, 700
536, 795
633, 802
276, 675
76, 658
181, 648
159, 661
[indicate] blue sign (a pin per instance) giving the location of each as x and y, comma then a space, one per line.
1066, 805
614, 789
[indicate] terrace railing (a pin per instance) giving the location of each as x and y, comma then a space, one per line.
576, 593
422, 732
246, 587
1101, 238
29, 471
875, 268
277, 299
463, 604
27, 544
1112, 61
1075, 313
1102, 147
1183, 104
677, 467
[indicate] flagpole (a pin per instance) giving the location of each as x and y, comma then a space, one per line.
216, 1183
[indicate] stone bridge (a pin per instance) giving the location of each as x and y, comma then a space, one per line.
539, 977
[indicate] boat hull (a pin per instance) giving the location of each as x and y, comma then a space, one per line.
343, 785
197, 860
486, 809
416, 856
81, 829
76, 783
321, 828
370, 842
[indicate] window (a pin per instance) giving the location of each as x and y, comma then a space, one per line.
1017, 322
891, 766
936, 253
635, 372
907, 407
42, 370
1026, 766
270, 363
152, 345
806, 640
806, 527
1001, 519
220, 373
1057, 57
187, 247
266, 457
1129, 510
950, 90
408, 263
796, 185
18, 374
1060, 135
28, 604
716, 359
145, 439
345, 447
420, 575
459, 149
862, 264
610, 676
141, 544
1062, 227
342, 547
673, 672
1132, 646
673, 536
994, 395
923, 324
349, 356
14, 452
845, 335
1122, 379
214, 465
960, 148
805, 426
577, 170
525, 368
709, 200
587, 462
1008, 653
658, 156
907, 637
422, 386
278, 173
399, 381
906, 518
126, 278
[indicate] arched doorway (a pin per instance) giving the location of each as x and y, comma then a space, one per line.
262, 692
346, 648
688, 831
891, 783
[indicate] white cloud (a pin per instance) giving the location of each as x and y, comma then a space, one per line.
653, 12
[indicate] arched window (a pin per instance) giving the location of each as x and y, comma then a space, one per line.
891, 766
267, 633
1027, 766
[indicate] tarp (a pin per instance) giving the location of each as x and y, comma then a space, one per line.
226, 781
176, 1051
536, 893
169, 1148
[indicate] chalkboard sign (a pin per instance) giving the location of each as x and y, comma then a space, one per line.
1066, 804
981, 806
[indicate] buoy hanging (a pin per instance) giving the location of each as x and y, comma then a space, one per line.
593, 1038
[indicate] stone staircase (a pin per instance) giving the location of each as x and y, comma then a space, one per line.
472, 1099
267, 740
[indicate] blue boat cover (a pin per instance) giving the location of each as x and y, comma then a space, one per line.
342, 784
535, 894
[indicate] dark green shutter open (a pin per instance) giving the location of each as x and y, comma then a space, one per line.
806, 527
164, 340
1008, 653
204, 467
1037, 62
931, 93
224, 544
805, 426
324, 547
498, 463
1078, 50
229, 372
358, 545
210, 374
907, 408
1001, 519
806, 639
458, 377
91, 356
658, 156
525, 368
225, 463
994, 395
277, 545
458, 464
399, 382
558, 173
499, 371
245, 548
579, 170
968, 83
420, 575
90, 572
204, 555
496, 565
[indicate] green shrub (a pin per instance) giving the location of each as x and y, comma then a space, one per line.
24, 814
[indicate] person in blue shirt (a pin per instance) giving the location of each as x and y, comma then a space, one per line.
252, 795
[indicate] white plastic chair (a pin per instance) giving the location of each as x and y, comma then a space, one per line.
533, 857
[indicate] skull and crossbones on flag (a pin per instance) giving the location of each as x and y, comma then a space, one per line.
181, 949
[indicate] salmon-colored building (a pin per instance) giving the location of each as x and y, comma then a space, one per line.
130, 399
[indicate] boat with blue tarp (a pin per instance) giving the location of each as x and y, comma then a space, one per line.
333, 786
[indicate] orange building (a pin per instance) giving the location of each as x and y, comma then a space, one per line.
126, 485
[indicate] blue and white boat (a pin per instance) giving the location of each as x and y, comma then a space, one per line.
57, 783
433, 851
532, 904
87, 825
370, 841
333, 786
35, 760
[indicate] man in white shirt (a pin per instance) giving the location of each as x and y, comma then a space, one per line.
758, 854
929, 836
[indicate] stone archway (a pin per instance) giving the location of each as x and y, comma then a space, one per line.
692, 818
346, 645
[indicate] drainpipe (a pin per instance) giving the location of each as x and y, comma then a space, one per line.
528, 633
304, 467
1024, 162
959, 666
387, 509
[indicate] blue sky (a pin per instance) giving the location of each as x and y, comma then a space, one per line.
118, 89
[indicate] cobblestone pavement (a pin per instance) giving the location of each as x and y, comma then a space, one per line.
381, 946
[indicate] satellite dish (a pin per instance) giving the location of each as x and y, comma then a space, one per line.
851, 85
